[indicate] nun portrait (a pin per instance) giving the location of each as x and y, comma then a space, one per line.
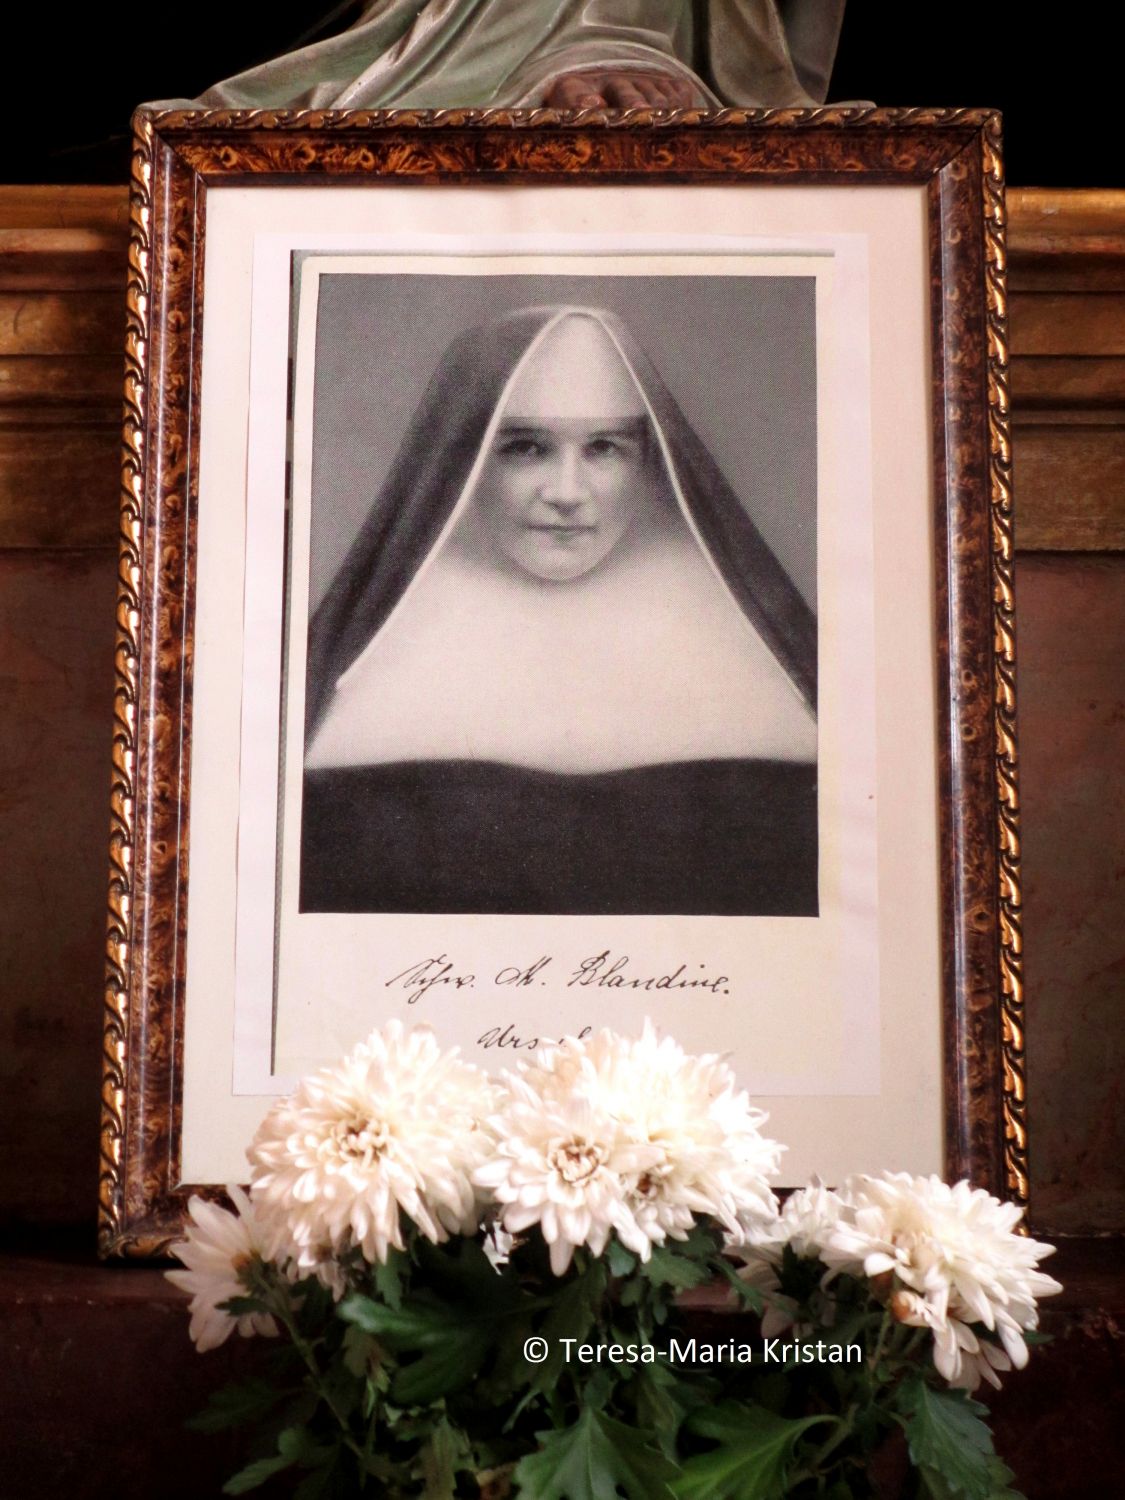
559, 670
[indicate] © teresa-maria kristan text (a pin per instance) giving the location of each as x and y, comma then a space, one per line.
694, 1351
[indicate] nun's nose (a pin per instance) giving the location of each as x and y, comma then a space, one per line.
564, 508
567, 485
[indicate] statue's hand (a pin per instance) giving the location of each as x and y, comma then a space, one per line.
619, 91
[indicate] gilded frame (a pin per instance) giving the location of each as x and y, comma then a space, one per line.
178, 157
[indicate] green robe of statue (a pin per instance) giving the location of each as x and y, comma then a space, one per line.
447, 53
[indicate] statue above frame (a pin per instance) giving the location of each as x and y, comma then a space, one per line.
622, 54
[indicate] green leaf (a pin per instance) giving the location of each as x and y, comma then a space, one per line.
702, 1241
935, 1487
360, 1351
749, 1295
442, 1335
663, 1401
754, 1452
1001, 1477
574, 1310
948, 1441
621, 1262
450, 1346
598, 1387
388, 1277
850, 1329
363, 1312
444, 1367
294, 1446
596, 1459
665, 1268
444, 1453
234, 1405
296, 1443
256, 1474
657, 1406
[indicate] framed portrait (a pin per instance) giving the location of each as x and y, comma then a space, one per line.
566, 579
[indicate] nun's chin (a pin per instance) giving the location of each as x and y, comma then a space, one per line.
561, 555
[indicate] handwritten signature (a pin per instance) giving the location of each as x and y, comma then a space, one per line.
604, 970
599, 971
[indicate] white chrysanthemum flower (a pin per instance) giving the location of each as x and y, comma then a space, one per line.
218, 1249
807, 1218
398, 1126
561, 1165
609, 1133
956, 1262
713, 1159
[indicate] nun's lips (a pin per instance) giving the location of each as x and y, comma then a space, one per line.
562, 528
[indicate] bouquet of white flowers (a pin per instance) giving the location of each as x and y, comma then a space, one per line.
476, 1290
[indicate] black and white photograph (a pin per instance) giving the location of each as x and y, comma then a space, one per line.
557, 695
562, 639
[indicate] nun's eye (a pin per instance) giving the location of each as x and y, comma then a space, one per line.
604, 447
521, 448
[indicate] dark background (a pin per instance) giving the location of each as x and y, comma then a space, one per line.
72, 82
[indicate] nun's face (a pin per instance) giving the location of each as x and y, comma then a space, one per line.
567, 474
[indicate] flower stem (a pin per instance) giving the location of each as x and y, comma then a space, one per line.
283, 1312
842, 1429
884, 1329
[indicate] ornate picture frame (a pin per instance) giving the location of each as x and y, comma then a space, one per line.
211, 187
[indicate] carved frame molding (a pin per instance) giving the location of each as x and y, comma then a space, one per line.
178, 156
